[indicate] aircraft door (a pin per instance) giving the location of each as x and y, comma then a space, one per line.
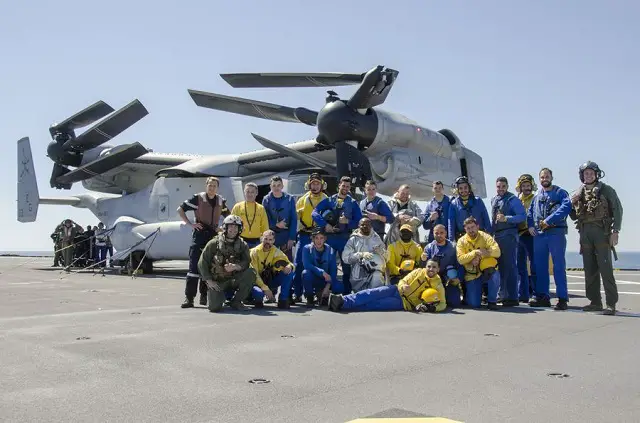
163, 208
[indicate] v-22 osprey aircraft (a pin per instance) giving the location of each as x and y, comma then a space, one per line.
136, 191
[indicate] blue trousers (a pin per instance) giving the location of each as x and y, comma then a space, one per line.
315, 284
384, 298
303, 240
338, 242
556, 244
102, 255
452, 294
281, 281
508, 266
525, 251
473, 294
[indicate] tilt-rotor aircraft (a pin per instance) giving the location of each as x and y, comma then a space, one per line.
136, 191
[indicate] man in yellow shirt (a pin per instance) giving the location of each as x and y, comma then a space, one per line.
526, 187
305, 205
404, 254
477, 251
253, 215
421, 291
273, 270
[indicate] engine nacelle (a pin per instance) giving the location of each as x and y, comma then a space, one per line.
395, 130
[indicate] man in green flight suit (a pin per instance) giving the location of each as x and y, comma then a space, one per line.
597, 211
56, 236
224, 266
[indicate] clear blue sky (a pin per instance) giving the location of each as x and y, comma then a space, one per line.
525, 84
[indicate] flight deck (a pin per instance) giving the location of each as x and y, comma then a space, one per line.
84, 346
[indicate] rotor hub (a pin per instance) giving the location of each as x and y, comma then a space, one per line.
59, 155
338, 122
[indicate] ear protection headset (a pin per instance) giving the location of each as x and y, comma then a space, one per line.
526, 178
461, 180
313, 177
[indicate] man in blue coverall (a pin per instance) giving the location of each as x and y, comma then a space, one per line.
376, 209
444, 252
320, 274
547, 222
339, 216
437, 211
507, 212
465, 205
283, 219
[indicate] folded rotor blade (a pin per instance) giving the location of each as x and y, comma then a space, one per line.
121, 155
85, 117
353, 163
59, 171
254, 108
108, 128
305, 158
276, 80
374, 89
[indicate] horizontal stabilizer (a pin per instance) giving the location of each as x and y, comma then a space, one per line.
253, 108
305, 158
85, 117
61, 201
118, 156
288, 80
108, 128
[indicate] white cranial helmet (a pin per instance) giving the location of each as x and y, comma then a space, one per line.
232, 219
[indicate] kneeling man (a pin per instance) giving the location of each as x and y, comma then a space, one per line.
366, 253
224, 266
478, 252
421, 291
320, 274
273, 271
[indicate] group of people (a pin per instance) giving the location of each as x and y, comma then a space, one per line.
246, 255
75, 246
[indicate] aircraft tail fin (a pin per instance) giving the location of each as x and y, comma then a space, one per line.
28, 195
472, 166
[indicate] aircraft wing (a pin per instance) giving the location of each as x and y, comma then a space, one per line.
298, 155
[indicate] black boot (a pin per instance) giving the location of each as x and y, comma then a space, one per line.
203, 299
561, 305
284, 304
188, 303
540, 302
310, 301
493, 306
335, 302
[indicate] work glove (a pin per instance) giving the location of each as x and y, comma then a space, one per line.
366, 255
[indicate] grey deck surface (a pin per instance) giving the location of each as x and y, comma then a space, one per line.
80, 347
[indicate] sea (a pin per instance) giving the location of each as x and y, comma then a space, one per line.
627, 260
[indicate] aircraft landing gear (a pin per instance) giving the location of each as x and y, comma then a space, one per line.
134, 263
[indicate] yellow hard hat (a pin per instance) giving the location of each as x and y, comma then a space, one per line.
406, 227
279, 265
407, 265
430, 296
488, 262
